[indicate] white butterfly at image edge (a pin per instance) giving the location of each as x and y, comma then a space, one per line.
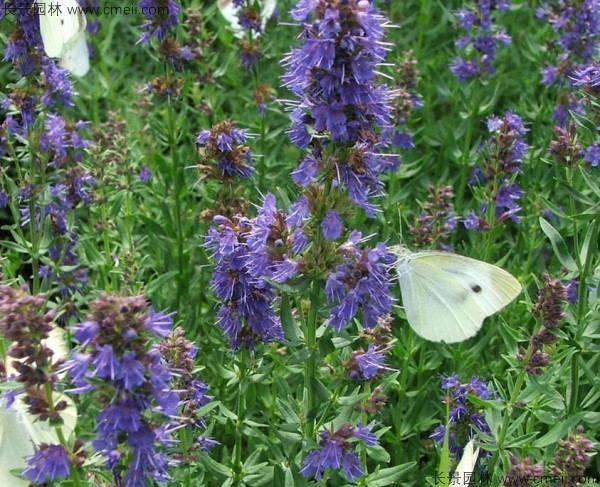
62, 27
19, 431
230, 12
447, 296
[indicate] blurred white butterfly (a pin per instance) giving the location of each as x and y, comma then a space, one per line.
447, 296
20, 431
230, 12
62, 26
466, 466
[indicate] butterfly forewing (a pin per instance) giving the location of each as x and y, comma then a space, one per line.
447, 296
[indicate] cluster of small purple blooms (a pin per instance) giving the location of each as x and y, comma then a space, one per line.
437, 221
343, 114
246, 314
406, 101
62, 144
119, 364
466, 419
549, 313
571, 459
369, 364
578, 24
251, 21
481, 41
224, 145
503, 157
567, 148
337, 451
27, 328
360, 281
162, 16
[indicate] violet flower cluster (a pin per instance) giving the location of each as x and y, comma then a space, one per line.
481, 40
466, 419
272, 245
502, 163
337, 451
225, 146
343, 115
246, 314
406, 100
119, 365
368, 364
577, 24
33, 365
437, 221
161, 17
61, 143
360, 281
549, 312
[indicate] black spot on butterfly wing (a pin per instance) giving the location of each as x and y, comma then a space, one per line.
476, 288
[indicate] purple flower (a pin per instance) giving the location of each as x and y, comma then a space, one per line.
577, 25
369, 363
118, 364
361, 281
48, 464
340, 102
161, 17
464, 416
592, 155
145, 174
482, 37
242, 255
332, 225
224, 146
336, 452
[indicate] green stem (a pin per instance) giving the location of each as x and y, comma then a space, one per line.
178, 183
516, 390
241, 407
74, 474
466, 151
310, 365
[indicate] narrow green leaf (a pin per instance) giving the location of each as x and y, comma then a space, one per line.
559, 245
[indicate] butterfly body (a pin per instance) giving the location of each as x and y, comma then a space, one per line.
447, 296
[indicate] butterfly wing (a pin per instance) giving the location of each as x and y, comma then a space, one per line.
467, 464
447, 296
76, 59
60, 25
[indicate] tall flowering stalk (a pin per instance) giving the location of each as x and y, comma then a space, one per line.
466, 418
51, 180
481, 40
577, 24
502, 161
343, 114
33, 364
119, 364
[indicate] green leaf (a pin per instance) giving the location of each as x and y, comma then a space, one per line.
389, 476
559, 245
289, 324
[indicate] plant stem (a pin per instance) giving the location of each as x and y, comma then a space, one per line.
310, 364
241, 407
509, 409
466, 152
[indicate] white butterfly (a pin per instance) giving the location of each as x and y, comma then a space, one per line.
466, 465
230, 12
62, 26
447, 296
20, 431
